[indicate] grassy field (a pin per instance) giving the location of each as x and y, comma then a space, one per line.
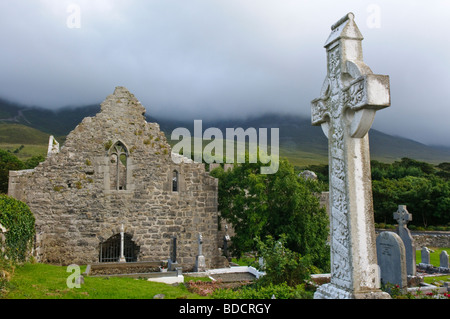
21, 134
42, 281
434, 255
27, 152
23, 141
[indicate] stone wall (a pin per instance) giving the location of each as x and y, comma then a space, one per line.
78, 204
421, 239
431, 239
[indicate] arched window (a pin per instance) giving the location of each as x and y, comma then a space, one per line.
118, 157
175, 181
109, 250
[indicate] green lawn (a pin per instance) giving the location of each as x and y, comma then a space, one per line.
41, 281
434, 255
436, 280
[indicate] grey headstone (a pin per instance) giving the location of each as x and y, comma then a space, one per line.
391, 259
200, 264
443, 259
308, 175
159, 296
403, 217
425, 254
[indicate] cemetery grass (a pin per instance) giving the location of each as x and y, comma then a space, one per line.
434, 255
436, 280
42, 281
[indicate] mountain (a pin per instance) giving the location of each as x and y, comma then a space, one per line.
300, 142
18, 134
58, 123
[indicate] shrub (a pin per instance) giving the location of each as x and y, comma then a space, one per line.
283, 265
8, 162
17, 218
257, 291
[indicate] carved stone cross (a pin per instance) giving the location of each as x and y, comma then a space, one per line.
350, 96
122, 258
200, 244
402, 216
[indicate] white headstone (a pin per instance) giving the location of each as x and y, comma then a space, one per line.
122, 258
200, 262
3, 230
308, 175
349, 99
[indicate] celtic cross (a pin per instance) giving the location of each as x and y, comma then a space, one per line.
350, 96
402, 216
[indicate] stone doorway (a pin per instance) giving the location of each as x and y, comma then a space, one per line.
109, 250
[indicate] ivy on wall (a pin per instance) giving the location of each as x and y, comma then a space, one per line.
19, 221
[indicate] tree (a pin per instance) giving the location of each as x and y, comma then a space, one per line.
259, 205
427, 199
34, 161
7, 162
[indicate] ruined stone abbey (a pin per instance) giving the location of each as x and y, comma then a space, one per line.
117, 169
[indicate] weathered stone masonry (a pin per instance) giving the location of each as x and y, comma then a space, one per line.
115, 168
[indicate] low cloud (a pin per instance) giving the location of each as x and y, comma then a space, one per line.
198, 58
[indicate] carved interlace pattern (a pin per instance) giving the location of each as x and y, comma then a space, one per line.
354, 95
332, 104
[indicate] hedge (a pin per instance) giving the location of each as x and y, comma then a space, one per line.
17, 218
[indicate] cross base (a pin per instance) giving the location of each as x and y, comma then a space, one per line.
200, 264
172, 265
331, 291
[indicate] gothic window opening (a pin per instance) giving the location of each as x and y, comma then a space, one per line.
175, 181
118, 158
109, 250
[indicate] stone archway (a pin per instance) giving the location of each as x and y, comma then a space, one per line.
109, 250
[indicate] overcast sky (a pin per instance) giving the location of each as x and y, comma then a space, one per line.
222, 58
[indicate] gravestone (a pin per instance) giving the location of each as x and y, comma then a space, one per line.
391, 257
226, 239
173, 264
350, 96
443, 259
122, 236
200, 264
402, 216
425, 255
3, 231
308, 175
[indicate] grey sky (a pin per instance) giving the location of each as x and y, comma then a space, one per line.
221, 58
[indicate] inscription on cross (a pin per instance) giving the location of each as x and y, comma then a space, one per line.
350, 96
